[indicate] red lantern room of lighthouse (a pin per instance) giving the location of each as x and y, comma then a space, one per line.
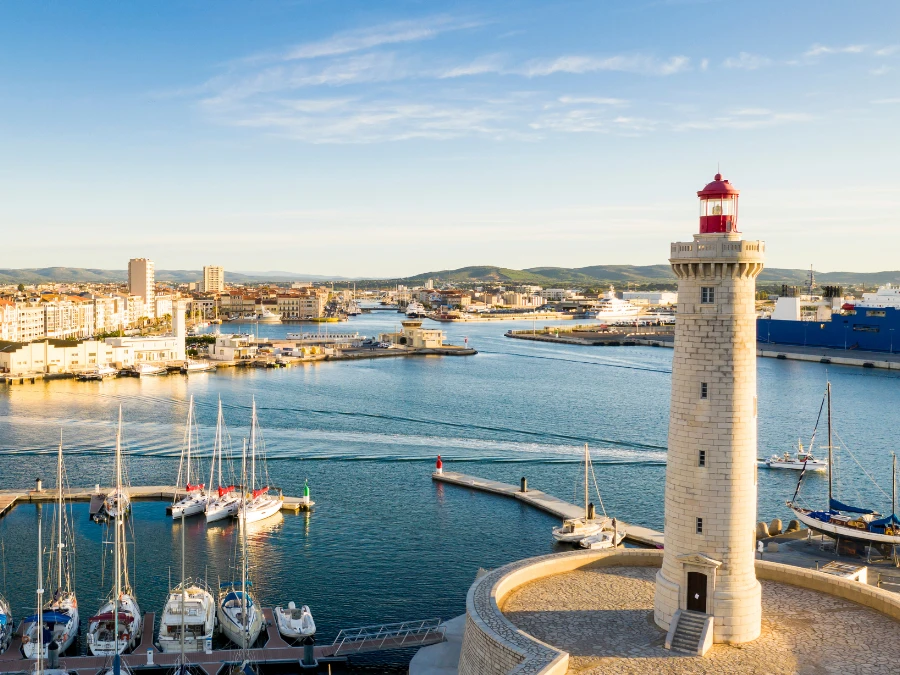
718, 207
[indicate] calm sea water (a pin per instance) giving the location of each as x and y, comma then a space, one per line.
384, 543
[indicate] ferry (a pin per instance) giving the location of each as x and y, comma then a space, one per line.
415, 310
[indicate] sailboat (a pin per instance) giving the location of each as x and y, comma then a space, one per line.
226, 502
6, 624
240, 618
864, 526
574, 530
116, 628
59, 615
195, 500
189, 617
261, 504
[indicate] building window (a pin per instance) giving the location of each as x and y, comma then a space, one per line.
702, 461
699, 525
707, 295
704, 390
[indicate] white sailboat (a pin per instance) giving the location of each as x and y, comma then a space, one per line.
189, 617
59, 618
240, 618
116, 628
574, 530
226, 501
261, 504
195, 500
6, 624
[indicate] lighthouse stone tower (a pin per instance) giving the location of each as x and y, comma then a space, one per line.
710, 502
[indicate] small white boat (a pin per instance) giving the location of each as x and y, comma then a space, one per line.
149, 370
6, 624
102, 639
295, 623
193, 605
98, 373
194, 501
797, 462
190, 367
117, 500
267, 316
574, 530
603, 539
225, 505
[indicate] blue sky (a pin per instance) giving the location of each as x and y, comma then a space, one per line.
390, 138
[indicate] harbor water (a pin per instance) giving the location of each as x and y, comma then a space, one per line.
384, 543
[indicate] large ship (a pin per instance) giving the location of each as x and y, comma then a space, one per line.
829, 321
613, 308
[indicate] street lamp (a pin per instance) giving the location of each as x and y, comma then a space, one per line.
892, 340
845, 337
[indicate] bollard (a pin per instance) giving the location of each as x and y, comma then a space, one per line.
439, 466
150, 656
309, 656
53, 654
524, 484
591, 513
38, 485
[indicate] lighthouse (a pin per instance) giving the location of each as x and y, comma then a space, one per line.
710, 499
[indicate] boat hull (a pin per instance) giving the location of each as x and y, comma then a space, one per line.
63, 634
796, 466
221, 509
189, 506
261, 509
585, 530
102, 644
842, 532
231, 627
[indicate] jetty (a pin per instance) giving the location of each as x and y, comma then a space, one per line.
146, 656
96, 495
544, 502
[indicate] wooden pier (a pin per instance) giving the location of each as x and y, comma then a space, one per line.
546, 503
9, 498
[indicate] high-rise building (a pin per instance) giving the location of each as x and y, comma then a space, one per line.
213, 279
142, 278
708, 572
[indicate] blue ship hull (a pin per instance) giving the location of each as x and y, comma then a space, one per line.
867, 328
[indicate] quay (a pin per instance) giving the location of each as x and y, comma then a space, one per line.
838, 357
544, 502
349, 642
9, 498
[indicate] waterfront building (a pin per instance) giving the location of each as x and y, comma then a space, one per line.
142, 278
233, 348
9, 320
413, 335
213, 279
710, 495
663, 298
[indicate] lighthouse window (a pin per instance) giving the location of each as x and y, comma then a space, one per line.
699, 525
704, 390
707, 295
702, 461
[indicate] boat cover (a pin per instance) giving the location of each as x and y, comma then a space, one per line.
260, 491
236, 595
225, 490
191, 488
891, 520
835, 504
49, 617
108, 616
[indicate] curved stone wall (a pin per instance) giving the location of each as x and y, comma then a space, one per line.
492, 645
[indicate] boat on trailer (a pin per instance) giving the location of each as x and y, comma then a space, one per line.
847, 522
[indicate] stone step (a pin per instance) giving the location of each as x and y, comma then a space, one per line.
688, 632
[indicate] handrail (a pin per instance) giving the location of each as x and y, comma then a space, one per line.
398, 633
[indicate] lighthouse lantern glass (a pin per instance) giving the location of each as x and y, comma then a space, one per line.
718, 214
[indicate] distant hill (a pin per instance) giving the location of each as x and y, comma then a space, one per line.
79, 274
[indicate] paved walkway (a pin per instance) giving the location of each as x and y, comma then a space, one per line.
604, 618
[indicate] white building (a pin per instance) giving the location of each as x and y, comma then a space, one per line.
664, 298
413, 335
142, 279
556, 294
232, 348
213, 279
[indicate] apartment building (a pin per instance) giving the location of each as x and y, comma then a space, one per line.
213, 279
142, 280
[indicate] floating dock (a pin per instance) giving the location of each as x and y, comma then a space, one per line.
9, 498
348, 642
546, 503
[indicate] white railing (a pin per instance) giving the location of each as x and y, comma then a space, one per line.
388, 636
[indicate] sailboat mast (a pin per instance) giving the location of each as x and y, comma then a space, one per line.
245, 638
190, 420
830, 449
253, 448
586, 460
893, 482
60, 505
183, 593
39, 666
117, 538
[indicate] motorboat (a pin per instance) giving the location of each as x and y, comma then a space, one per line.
149, 370
194, 501
6, 624
190, 606
267, 316
190, 367
260, 503
574, 530
415, 310
295, 623
802, 460
849, 522
227, 500
58, 622
101, 372
605, 538
116, 500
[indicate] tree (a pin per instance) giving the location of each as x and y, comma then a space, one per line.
21, 288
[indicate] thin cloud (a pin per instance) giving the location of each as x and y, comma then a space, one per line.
886, 101
481, 66
589, 64
747, 61
822, 50
887, 51
881, 70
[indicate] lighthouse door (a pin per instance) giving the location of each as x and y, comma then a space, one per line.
696, 592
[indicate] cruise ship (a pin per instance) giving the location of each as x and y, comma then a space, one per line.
612, 308
869, 324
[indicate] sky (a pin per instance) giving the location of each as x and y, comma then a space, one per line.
390, 138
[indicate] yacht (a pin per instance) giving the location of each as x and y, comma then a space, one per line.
190, 607
240, 618
801, 460
295, 623
612, 308
6, 624
226, 501
194, 501
189, 367
415, 310
59, 618
267, 316
98, 373
116, 628
149, 369
260, 504
574, 530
